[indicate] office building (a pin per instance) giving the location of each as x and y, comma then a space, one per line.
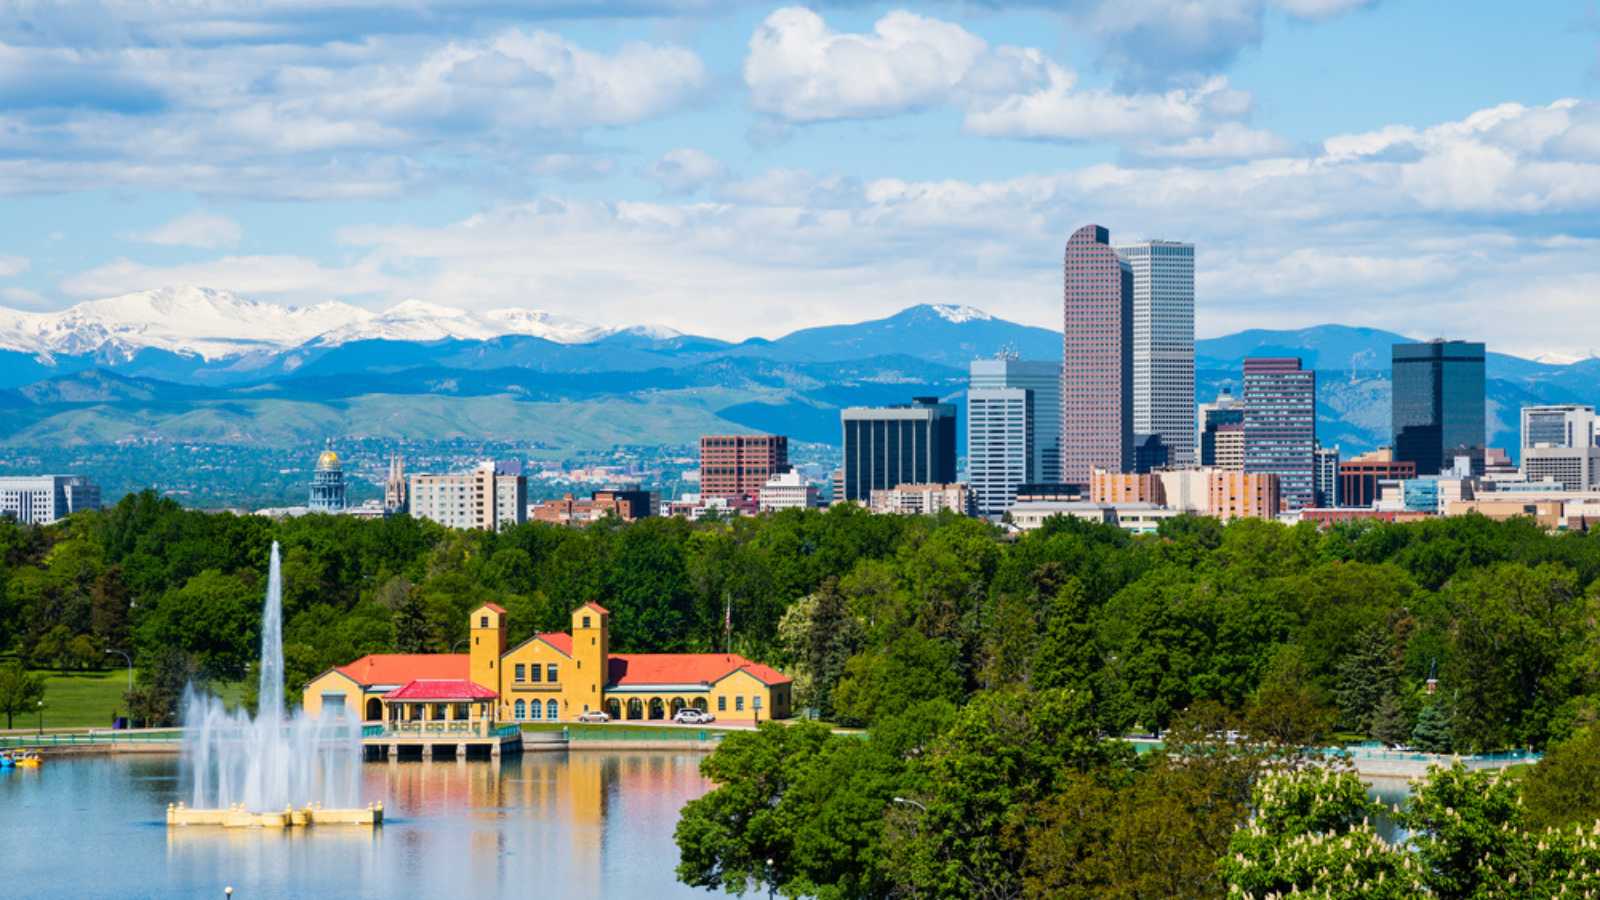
1227, 445
1096, 357
1360, 476
922, 499
1225, 410
1150, 453
627, 504
1558, 444
1000, 446
788, 490
1280, 426
1438, 406
486, 497
738, 465
1244, 495
394, 487
1125, 487
1327, 477
885, 446
1163, 344
327, 483
42, 499
1043, 381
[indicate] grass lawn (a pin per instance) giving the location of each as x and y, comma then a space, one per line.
87, 699
625, 731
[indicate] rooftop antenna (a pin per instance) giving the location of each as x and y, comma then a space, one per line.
1008, 352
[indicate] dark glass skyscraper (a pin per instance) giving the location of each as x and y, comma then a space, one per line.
1280, 426
1438, 406
887, 446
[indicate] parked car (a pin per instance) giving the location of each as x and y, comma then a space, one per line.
692, 716
594, 715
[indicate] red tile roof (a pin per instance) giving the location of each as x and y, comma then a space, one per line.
598, 607
637, 669
398, 668
496, 607
557, 639
441, 689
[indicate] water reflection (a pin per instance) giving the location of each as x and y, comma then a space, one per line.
584, 825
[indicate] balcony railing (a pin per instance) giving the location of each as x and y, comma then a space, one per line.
440, 729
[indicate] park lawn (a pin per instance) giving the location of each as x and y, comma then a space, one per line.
88, 699
624, 731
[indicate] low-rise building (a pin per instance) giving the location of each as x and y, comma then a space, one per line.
43, 499
923, 499
1243, 495
788, 490
629, 505
1125, 487
558, 676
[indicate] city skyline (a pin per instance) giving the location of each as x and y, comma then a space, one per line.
487, 158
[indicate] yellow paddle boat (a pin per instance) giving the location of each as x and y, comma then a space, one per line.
28, 758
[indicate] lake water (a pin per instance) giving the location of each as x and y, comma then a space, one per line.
579, 825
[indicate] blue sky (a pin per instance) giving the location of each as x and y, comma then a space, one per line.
738, 168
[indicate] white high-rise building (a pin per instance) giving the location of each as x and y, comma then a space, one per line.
1558, 443
42, 499
1043, 379
1163, 344
1000, 439
484, 498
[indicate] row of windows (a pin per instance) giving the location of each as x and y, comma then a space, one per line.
522, 709
551, 672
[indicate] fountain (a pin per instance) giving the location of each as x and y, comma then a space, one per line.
244, 771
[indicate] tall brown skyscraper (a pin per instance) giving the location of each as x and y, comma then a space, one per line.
1096, 358
738, 465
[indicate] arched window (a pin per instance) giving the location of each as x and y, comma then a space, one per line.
536, 709
522, 710
552, 711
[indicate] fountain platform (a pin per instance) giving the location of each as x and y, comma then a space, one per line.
237, 816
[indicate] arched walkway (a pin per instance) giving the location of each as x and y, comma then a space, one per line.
635, 708
614, 708
699, 703
677, 705
657, 709
374, 710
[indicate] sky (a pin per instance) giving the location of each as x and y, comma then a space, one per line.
736, 168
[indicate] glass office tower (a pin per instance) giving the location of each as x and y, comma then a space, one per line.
1438, 405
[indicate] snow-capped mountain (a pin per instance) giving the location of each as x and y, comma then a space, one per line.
957, 315
216, 324
196, 320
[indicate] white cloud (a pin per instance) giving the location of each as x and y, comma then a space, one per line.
573, 167
287, 278
1057, 111
13, 265
200, 229
801, 70
686, 170
1321, 9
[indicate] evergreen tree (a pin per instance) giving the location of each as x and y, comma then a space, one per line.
411, 629
1365, 678
1435, 731
1392, 724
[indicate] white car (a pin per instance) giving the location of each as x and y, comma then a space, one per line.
692, 716
594, 715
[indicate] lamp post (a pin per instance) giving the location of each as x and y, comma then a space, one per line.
124, 654
41, 718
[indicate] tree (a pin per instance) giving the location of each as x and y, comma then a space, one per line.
1467, 826
155, 701
1366, 679
1287, 708
1564, 788
20, 691
1435, 730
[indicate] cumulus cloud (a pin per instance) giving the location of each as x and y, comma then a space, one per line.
685, 170
799, 70
200, 229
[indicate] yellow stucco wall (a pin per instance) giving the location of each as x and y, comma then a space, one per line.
335, 682
528, 655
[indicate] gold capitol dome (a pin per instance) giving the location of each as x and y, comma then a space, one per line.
328, 459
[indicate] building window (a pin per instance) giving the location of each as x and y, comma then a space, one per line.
550, 673
586, 621
535, 672
522, 673
483, 621
722, 704
756, 702
738, 703
552, 711
522, 710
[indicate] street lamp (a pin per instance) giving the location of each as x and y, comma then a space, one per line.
41, 718
124, 655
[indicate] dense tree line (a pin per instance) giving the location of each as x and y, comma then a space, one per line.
1302, 632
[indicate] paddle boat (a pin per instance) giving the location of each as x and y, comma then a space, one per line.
28, 758
5, 760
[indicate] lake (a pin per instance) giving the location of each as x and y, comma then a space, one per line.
580, 825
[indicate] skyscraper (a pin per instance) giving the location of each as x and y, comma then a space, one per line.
1000, 437
1327, 477
740, 465
1225, 410
1096, 357
1043, 380
1280, 426
887, 446
1438, 404
1163, 344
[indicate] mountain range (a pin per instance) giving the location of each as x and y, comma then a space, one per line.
196, 364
